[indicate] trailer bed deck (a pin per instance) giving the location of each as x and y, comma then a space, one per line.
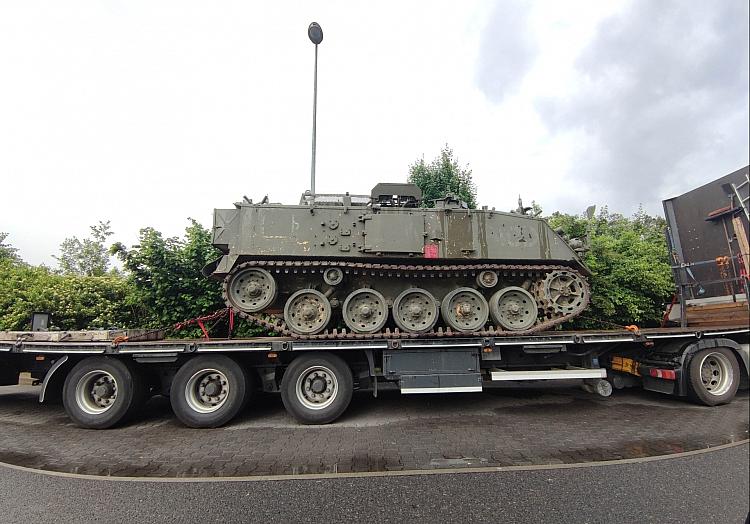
26, 344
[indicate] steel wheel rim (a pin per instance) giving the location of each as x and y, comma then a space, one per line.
465, 309
365, 311
513, 308
415, 310
717, 374
307, 312
207, 390
96, 392
317, 387
252, 289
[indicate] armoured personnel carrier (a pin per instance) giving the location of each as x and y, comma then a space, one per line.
360, 266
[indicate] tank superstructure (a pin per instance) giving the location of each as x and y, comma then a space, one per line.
381, 265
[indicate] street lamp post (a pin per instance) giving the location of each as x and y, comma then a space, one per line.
316, 37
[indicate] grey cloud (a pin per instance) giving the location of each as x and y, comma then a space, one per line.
665, 97
506, 50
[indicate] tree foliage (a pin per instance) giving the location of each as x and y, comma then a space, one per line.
442, 176
88, 257
631, 277
7, 251
166, 274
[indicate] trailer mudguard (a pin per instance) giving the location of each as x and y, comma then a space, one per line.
51, 380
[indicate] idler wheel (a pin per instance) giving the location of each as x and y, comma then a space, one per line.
513, 308
465, 309
415, 310
365, 311
251, 289
307, 312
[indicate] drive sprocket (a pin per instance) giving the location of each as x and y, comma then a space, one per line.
561, 292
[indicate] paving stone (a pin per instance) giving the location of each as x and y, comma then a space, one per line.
391, 433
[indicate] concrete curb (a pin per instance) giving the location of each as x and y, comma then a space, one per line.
326, 476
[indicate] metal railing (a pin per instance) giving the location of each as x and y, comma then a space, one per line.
686, 283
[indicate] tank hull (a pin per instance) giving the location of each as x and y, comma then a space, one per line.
354, 270
387, 234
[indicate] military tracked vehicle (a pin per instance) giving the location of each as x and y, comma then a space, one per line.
358, 266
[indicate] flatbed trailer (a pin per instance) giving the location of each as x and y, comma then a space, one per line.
102, 383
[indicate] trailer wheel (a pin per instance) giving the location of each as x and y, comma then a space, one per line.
317, 388
713, 376
100, 392
208, 391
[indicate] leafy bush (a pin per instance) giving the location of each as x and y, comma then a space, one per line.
166, 277
631, 277
166, 274
75, 302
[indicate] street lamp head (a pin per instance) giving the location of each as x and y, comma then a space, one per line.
315, 33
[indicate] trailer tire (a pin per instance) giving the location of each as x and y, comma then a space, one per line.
713, 376
100, 392
317, 388
209, 391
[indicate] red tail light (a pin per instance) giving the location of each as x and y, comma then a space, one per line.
666, 374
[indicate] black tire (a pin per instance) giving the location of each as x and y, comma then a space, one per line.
192, 404
713, 376
333, 401
124, 391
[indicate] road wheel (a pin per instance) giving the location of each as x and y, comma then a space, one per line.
465, 309
251, 289
513, 308
415, 310
365, 311
317, 388
713, 376
307, 312
100, 392
208, 391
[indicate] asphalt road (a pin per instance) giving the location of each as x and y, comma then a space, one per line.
708, 487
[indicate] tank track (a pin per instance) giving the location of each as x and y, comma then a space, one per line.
276, 324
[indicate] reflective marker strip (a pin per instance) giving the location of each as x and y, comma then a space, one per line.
468, 389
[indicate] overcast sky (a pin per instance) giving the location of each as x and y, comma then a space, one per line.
147, 113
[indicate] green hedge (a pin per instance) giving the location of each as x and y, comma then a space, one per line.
75, 302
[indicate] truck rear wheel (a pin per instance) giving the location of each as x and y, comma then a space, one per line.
317, 388
100, 392
713, 376
208, 391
